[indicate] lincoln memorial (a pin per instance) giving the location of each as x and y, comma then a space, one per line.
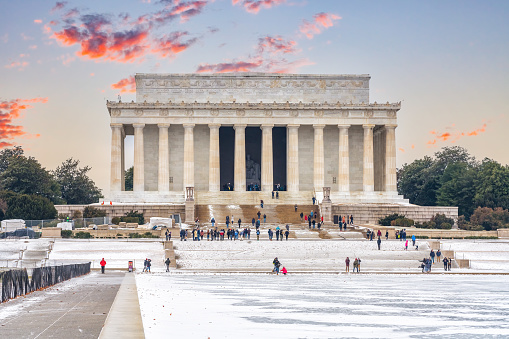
236, 138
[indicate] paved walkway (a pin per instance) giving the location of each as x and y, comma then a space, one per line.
124, 320
76, 308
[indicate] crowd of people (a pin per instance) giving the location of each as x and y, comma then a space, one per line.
356, 265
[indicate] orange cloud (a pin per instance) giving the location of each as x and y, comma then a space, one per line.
127, 85
454, 135
402, 150
321, 21
103, 37
38, 21
254, 6
9, 111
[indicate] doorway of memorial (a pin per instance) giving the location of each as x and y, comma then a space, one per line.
253, 158
279, 158
226, 157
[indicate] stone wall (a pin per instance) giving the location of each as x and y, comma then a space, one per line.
120, 210
371, 213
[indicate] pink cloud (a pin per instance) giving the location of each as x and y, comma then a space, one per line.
127, 85
172, 44
276, 45
453, 135
38, 21
228, 67
254, 6
9, 111
320, 22
20, 65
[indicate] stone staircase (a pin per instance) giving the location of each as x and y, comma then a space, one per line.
276, 214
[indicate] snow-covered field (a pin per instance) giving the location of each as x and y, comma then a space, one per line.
117, 253
323, 306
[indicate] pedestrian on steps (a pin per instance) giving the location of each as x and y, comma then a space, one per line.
103, 265
386, 235
264, 218
347, 262
432, 256
379, 242
439, 254
167, 263
295, 207
406, 245
413, 239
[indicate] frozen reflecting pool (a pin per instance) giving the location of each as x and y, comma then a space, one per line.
324, 306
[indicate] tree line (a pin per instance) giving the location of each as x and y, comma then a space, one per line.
29, 191
452, 177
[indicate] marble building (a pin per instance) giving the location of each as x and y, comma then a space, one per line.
253, 131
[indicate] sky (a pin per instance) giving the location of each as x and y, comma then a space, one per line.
446, 61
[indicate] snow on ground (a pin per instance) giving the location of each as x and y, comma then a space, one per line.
10, 249
483, 254
117, 253
295, 255
323, 306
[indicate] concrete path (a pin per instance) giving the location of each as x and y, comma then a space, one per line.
76, 308
124, 320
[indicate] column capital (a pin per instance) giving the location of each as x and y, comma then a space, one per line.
318, 126
366, 126
342, 126
188, 125
390, 125
214, 125
116, 125
164, 125
293, 125
138, 125
262, 126
240, 126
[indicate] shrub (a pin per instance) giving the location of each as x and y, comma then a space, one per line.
445, 226
66, 233
440, 219
130, 219
92, 212
135, 214
405, 222
387, 220
116, 220
490, 219
144, 235
82, 235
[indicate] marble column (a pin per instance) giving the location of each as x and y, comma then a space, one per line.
292, 163
318, 163
344, 160
139, 159
368, 168
267, 159
390, 158
116, 158
240, 158
188, 155
164, 159
214, 169
122, 161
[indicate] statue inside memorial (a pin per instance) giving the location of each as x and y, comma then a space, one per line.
252, 174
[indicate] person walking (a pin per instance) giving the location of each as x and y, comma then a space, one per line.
145, 265
276, 264
432, 256
258, 214
439, 254
264, 218
166, 235
257, 234
286, 234
149, 264
347, 262
386, 235
413, 239
253, 222
103, 265
167, 263
379, 242
446, 261
270, 234
295, 207
406, 245
314, 200
240, 221
449, 264
261, 203
301, 216
277, 234
358, 265
213, 221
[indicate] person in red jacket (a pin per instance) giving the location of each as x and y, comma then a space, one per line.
103, 265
